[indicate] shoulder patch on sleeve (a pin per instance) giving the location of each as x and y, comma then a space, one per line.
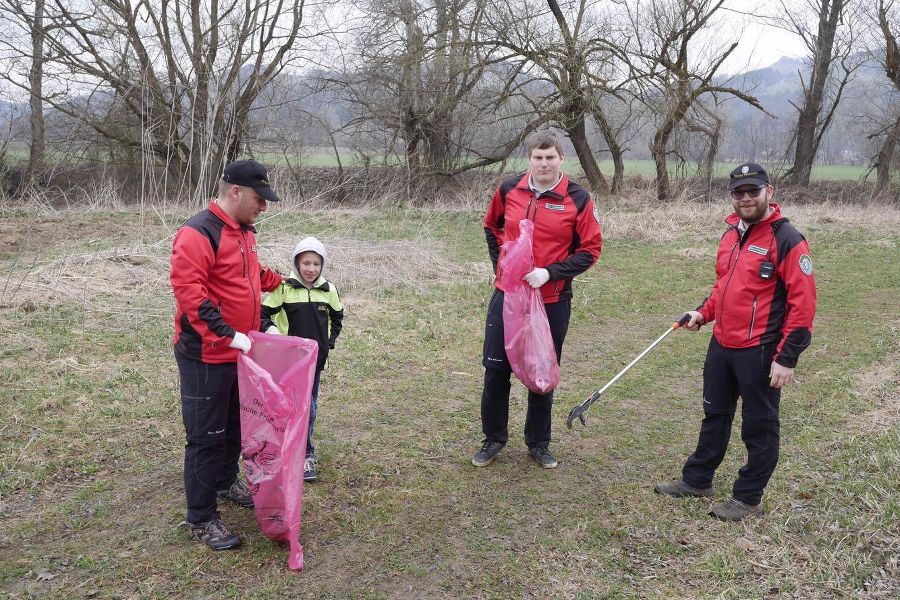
806, 265
596, 213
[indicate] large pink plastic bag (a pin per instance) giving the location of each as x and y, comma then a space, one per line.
275, 379
526, 331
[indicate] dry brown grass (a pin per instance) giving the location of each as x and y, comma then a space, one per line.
641, 218
879, 387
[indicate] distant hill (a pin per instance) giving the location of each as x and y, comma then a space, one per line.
776, 86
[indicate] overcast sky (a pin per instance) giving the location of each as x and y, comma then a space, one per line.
760, 44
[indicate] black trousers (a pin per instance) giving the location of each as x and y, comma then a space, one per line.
727, 374
212, 424
497, 372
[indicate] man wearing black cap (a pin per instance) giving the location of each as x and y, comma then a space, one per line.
763, 304
217, 280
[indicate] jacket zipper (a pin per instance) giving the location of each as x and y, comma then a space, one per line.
732, 267
752, 317
254, 295
243, 257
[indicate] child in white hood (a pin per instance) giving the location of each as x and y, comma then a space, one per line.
307, 305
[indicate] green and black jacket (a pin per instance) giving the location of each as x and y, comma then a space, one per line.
315, 314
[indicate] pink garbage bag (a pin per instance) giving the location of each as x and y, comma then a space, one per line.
526, 331
275, 379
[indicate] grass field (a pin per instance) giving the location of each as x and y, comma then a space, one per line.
91, 496
633, 167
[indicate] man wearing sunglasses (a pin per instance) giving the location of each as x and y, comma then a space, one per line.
763, 303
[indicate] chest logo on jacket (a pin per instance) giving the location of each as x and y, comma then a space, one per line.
758, 250
558, 207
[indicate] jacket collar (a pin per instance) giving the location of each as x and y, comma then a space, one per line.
558, 192
319, 284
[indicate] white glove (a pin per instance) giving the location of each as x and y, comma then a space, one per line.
240, 342
273, 330
537, 277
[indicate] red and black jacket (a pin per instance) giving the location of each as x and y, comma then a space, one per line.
749, 309
567, 238
217, 281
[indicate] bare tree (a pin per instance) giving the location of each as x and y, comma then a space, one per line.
826, 28
35, 95
23, 50
565, 53
707, 122
675, 68
415, 79
172, 77
889, 31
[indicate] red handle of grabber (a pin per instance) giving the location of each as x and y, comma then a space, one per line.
682, 321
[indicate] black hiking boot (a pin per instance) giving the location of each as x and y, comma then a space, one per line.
487, 453
679, 489
734, 510
214, 534
542, 456
237, 493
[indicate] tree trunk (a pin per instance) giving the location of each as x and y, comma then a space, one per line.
578, 136
658, 151
886, 158
412, 82
615, 151
36, 83
659, 148
715, 135
807, 121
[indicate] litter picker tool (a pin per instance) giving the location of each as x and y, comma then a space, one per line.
578, 411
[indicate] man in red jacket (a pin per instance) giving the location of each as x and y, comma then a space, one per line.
217, 280
763, 304
566, 243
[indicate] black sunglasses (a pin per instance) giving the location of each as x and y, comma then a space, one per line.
753, 192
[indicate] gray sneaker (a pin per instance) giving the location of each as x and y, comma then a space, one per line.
734, 510
237, 493
487, 453
214, 534
310, 468
542, 456
679, 489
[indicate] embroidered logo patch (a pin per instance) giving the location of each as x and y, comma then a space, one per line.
558, 207
596, 213
806, 264
745, 169
757, 250
253, 248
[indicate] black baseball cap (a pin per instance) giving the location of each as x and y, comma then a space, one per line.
250, 173
748, 174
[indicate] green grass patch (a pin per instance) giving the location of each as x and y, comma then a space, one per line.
91, 495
